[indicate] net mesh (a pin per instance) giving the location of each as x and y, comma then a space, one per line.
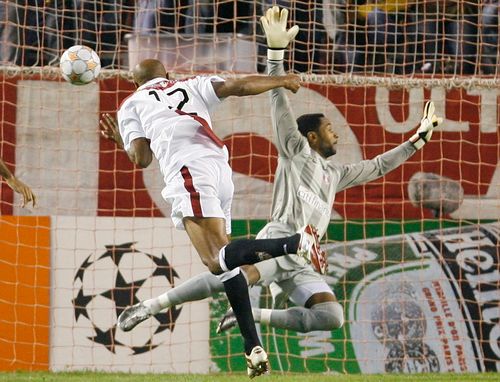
336, 36
420, 241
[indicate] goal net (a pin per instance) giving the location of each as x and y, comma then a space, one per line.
413, 256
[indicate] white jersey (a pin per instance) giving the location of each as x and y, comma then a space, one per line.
175, 117
305, 183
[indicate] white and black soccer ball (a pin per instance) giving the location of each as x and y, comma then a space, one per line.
106, 283
80, 65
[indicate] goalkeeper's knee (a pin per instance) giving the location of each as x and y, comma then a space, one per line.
323, 316
330, 315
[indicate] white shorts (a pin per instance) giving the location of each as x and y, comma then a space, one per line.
288, 277
202, 188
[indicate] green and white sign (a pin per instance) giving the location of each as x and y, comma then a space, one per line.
419, 302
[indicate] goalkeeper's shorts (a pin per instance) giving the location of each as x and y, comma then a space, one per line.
289, 277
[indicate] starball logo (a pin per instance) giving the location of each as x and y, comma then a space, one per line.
91, 301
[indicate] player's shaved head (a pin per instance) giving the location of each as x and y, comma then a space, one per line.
148, 69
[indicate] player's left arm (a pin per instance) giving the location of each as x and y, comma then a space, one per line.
138, 150
253, 85
368, 170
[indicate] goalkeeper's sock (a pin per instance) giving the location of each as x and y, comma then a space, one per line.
196, 288
237, 293
245, 251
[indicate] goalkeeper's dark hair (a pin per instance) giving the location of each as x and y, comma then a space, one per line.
309, 122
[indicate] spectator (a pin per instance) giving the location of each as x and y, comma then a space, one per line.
347, 33
102, 25
490, 30
236, 16
371, 36
388, 35
35, 32
448, 36
192, 17
21, 32
98, 24
8, 41
164, 16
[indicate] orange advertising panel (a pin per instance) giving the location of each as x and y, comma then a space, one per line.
24, 292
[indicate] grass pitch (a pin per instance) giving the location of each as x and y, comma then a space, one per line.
122, 377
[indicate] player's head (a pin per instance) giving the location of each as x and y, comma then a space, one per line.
319, 133
147, 70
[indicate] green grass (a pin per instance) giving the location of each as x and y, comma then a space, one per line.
122, 377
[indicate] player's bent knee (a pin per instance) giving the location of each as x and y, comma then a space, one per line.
330, 314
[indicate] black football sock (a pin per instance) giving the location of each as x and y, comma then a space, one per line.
237, 294
245, 251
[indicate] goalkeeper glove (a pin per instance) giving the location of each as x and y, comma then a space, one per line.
427, 124
278, 38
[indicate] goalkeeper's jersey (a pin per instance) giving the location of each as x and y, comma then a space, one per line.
305, 183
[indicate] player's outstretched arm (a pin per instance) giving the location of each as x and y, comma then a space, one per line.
368, 170
17, 185
253, 85
139, 153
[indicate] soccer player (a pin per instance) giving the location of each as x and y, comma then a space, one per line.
17, 185
171, 120
304, 192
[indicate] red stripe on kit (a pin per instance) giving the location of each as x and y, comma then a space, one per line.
195, 195
206, 127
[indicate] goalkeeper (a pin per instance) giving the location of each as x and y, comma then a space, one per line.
304, 192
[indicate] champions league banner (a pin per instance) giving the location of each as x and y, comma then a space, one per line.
422, 302
99, 267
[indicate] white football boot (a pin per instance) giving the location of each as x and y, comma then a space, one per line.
257, 362
310, 250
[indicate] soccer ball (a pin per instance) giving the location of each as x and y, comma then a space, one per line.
80, 65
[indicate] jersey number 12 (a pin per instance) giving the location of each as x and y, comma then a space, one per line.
182, 102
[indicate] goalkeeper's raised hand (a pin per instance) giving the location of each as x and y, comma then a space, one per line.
427, 124
278, 37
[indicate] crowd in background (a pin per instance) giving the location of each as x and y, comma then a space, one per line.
363, 36
35, 32
401, 36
